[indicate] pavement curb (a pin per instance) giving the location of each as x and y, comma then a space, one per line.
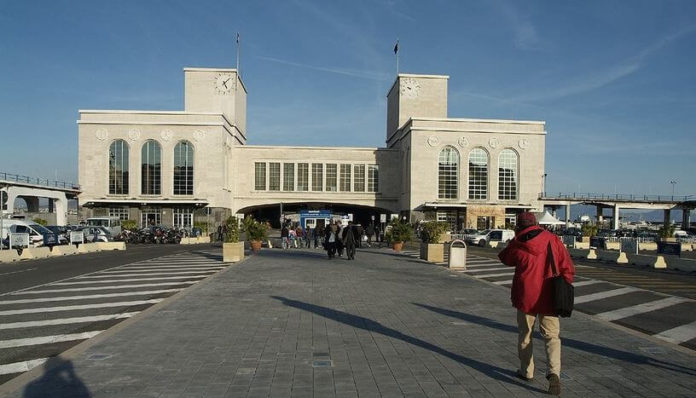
72, 353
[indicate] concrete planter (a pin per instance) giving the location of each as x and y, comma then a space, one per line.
7, 256
432, 252
232, 252
63, 250
111, 245
87, 248
32, 253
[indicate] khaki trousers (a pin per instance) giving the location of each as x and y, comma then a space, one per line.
550, 329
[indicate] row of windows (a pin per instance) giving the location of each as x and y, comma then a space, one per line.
448, 174
151, 168
330, 177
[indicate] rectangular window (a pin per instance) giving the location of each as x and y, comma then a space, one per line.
260, 176
331, 177
372, 178
288, 176
303, 176
150, 216
359, 178
121, 212
183, 218
317, 177
345, 178
274, 177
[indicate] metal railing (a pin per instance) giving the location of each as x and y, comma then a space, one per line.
618, 197
38, 181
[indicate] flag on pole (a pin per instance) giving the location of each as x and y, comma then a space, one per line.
237, 37
396, 47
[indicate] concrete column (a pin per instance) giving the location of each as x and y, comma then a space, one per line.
600, 217
686, 219
554, 210
32, 203
567, 214
616, 216
666, 218
51, 206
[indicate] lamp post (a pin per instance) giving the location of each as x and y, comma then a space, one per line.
544, 187
673, 182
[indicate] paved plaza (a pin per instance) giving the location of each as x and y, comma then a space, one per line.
294, 324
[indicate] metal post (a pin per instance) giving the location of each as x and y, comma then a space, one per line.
673, 182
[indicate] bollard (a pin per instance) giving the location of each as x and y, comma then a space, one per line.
457, 255
660, 262
622, 258
592, 255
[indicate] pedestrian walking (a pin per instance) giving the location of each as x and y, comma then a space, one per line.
531, 253
318, 235
330, 238
349, 241
339, 241
299, 233
308, 237
292, 235
370, 231
284, 237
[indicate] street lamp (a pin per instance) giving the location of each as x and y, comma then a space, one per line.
673, 182
544, 190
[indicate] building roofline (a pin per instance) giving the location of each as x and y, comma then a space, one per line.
452, 119
415, 75
342, 148
194, 69
147, 112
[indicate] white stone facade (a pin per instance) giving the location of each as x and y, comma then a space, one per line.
229, 176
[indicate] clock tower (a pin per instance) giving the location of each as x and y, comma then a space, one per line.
414, 96
216, 90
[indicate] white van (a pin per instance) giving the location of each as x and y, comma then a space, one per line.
113, 224
490, 235
36, 231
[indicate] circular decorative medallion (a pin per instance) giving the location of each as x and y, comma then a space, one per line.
463, 142
198, 135
493, 142
167, 134
134, 134
433, 140
102, 134
523, 143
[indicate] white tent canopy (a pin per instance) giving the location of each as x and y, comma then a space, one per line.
548, 219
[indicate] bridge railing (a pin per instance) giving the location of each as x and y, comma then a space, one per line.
618, 197
38, 181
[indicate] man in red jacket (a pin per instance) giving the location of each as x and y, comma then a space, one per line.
532, 293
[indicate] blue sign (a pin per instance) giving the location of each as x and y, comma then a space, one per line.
310, 214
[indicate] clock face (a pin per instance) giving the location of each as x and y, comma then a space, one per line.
410, 88
224, 83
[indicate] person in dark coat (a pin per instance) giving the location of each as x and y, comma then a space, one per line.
318, 235
349, 241
339, 241
330, 238
532, 293
370, 231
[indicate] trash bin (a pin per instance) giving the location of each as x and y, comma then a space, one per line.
457, 255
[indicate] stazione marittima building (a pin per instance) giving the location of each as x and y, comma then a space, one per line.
169, 168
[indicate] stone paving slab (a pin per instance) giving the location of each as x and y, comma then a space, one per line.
294, 324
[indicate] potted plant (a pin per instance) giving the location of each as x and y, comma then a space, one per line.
232, 248
400, 232
256, 233
588, 230
431, 248
666, 233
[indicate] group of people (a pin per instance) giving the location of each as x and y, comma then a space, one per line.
338, 237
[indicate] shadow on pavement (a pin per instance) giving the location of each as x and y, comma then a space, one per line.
500, 374
59, 380
571, 343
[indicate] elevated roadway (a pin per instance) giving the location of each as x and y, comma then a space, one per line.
13, 186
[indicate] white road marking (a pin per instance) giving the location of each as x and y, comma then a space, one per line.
679, 334
84, 289
602, 295
489, 269
18, 272
21, 367
150, 269
129, 280
589, 282
66, 321
98, 276
481, 265
88, 297
641, 308
503, 282
48, 339
79, 307
493, 275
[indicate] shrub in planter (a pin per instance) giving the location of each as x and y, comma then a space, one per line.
399, 233
256, 232
130, 225
232, 248
431, 249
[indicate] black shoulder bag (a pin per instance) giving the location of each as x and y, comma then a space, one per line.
563, 292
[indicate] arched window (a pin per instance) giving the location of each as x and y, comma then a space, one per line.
183, 168
151, 168
478, 174
507, 175
118, 168
448, 173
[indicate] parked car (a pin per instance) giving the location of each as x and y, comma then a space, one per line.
38, 234
97, 234
490, 235
62, 233
112, 224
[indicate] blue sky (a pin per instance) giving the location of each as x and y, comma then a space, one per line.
614, 81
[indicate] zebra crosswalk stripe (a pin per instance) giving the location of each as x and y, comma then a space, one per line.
19, 367
488, 269
66, 321
641, 308
602, 295
680, 334
127, 280
86, 289
493, 275
79, 307
87, 297
48, 339
100, 276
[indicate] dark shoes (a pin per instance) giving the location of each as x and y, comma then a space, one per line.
554, 384
520, 375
